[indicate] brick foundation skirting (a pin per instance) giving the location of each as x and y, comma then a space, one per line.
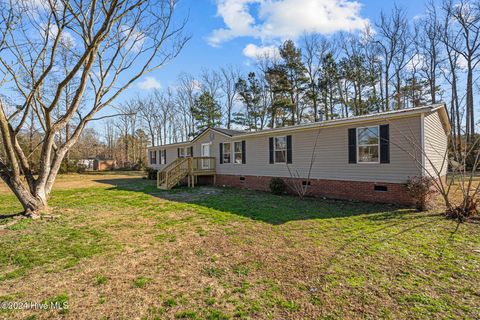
395, 193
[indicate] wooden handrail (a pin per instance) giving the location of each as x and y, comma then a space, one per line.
181, 167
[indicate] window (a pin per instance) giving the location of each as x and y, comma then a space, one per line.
368, 145
227, 152
280, 149
188, 151
181, 152
153, 157
238, 155
163, 156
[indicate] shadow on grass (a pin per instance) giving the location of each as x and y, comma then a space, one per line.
11, 215
261, 206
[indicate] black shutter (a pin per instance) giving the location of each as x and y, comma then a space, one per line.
289, 149
244, 152
178, 152
270, 144
385, 143
191, 151
165, 156
220, 148
352, 145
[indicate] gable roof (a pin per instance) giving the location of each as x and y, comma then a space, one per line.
441, 108
230, 132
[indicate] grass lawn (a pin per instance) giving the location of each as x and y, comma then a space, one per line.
118, 248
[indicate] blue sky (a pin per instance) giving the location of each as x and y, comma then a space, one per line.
204, 20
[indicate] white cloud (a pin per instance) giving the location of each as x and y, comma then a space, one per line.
462, 63
196, 85
66, 38
285, 19
255, 52
149, 83
417, 62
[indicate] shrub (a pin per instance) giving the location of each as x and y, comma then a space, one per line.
151, 173
420, 189
278, 186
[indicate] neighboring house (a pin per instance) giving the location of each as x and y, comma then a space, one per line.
365, 158
96, 164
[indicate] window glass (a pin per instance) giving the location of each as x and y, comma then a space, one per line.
238, 152
153, 157
280, 149
227, 151
368, 144
182, 152
164, 156
188, 152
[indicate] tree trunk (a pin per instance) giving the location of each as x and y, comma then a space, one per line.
32, 205
470, 112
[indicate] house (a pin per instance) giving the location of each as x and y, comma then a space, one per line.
367, 158
97, 164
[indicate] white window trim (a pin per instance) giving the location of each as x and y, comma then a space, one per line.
162, 158
151, 157
223, 153
275, 150
367, 145
241, 152
182, 152
185, 151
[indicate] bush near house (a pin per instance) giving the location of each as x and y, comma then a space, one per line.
421, 189
151, 173
278, 186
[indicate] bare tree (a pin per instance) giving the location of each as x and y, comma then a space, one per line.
148, 115
392, 40
429, 44
464, 18
211, 82
187, 91
314, 51
117, 41
451, 75
229, 75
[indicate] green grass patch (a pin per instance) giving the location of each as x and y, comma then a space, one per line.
141, 282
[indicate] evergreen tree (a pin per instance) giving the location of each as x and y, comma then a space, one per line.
249, 92
206, 112
281, 105
354, 70
328, 85
296, 80
416, 92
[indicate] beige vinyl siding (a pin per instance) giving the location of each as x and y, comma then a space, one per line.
436, 144
331, 155
171, 156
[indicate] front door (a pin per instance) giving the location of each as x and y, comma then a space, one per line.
206, 153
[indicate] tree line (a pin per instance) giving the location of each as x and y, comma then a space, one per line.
392, 64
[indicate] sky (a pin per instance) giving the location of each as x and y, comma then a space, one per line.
233, 32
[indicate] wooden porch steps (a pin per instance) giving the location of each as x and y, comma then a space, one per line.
190, 167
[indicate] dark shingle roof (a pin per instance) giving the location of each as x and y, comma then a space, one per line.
230, 132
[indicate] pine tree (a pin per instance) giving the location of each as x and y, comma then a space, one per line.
296, 81
328, 85
249, 92
206, 112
